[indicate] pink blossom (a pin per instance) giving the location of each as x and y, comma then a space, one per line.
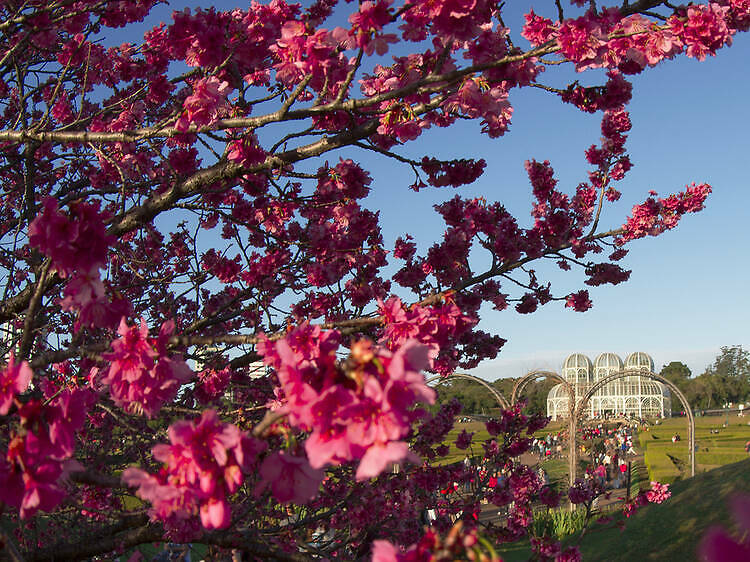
658, 493
204, 463
581, 492
142, 376
40, 457
381, 456
655, 216
76, 242
246, 151
580, 301
384, 551
349, 409
204, 105
582, 41
704, 31
570, 554
291, 478
463, 441
366, 27
537, 30
86, 294
14, 379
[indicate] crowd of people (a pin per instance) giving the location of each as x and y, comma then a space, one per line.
550, 446
609, 454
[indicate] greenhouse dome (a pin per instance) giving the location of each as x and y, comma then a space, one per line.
629, 396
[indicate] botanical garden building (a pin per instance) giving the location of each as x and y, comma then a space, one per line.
632, 396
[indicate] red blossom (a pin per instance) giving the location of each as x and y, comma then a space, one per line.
141, 375
14, 380
204, 105
204, 463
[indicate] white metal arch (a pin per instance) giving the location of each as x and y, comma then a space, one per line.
533, 375
496, 394
650, 375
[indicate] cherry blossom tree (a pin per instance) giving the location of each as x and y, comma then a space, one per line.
206, 337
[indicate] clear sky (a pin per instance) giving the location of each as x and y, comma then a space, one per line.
688, 293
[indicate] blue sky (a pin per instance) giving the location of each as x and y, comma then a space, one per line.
687, 295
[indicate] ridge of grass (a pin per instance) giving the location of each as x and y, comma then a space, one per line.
673, 530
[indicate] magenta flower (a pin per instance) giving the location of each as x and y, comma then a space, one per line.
348, 409
141, 376
203, 106
290, 477
718, 546
463, 441
14, 379
383, 455
204, 463
658, 493
77, 242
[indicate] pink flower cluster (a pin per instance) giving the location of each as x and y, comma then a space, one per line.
359, 409
212, 384
300, 53
204, 463
583, 491
367, 24
448, 19
432, 326
454, 173
657, 215
14, 379
246, 151
460, 543
658, 493
39, 452
205, 104
476, 98
290, 477
77, 245
141, 375
606, 39
704, 31
579, 301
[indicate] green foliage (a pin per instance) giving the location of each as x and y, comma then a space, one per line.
676, 372
477, 400
558, 523
474, 398
733, 361
726, 380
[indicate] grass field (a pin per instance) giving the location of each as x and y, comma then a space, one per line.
667, 461
668, 532
672, 531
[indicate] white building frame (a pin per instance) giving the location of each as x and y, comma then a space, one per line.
632, 396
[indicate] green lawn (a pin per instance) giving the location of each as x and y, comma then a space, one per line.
667, 532
667, 461
672, 530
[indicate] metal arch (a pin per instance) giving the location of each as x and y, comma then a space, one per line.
533, 375
647, 374
572, 419
495, 393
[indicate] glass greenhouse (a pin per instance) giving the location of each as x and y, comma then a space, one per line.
632, 396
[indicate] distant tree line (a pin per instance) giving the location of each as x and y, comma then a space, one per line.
726, 380
477, 400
